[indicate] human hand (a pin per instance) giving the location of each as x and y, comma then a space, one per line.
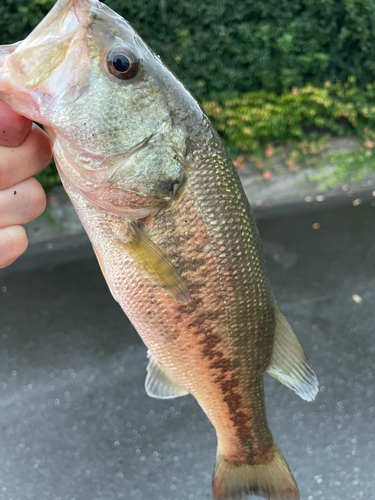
25, 150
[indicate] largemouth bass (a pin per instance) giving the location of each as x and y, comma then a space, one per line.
170, 225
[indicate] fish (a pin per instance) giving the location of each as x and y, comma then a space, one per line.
171, 227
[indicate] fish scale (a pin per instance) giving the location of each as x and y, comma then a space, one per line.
168, 328
170, 225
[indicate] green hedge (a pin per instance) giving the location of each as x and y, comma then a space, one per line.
226, 47
19, 17
253, 119
262, 68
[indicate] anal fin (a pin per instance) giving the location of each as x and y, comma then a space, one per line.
155, 264
289, 364
159, 384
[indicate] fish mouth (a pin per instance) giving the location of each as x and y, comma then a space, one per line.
43, 51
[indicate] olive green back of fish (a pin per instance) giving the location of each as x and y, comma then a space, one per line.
249, 303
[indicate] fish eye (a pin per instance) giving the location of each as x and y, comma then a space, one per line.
122, 63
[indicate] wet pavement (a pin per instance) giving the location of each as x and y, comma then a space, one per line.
76, 424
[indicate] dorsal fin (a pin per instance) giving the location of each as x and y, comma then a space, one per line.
289, 364
159, 384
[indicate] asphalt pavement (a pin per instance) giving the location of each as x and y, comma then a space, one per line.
76, 423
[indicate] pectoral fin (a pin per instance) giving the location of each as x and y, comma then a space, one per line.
159, 384
289, 364
155, 264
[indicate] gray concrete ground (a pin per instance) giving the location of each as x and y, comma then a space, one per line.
76, 424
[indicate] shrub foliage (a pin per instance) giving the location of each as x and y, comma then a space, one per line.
255, 118
263, 69
224, 47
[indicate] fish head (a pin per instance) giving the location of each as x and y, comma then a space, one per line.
119, 119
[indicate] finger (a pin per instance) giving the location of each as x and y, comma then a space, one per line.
22, 162
13, 127
13, 242
22, 203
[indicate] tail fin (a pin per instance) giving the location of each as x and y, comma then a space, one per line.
273, 480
